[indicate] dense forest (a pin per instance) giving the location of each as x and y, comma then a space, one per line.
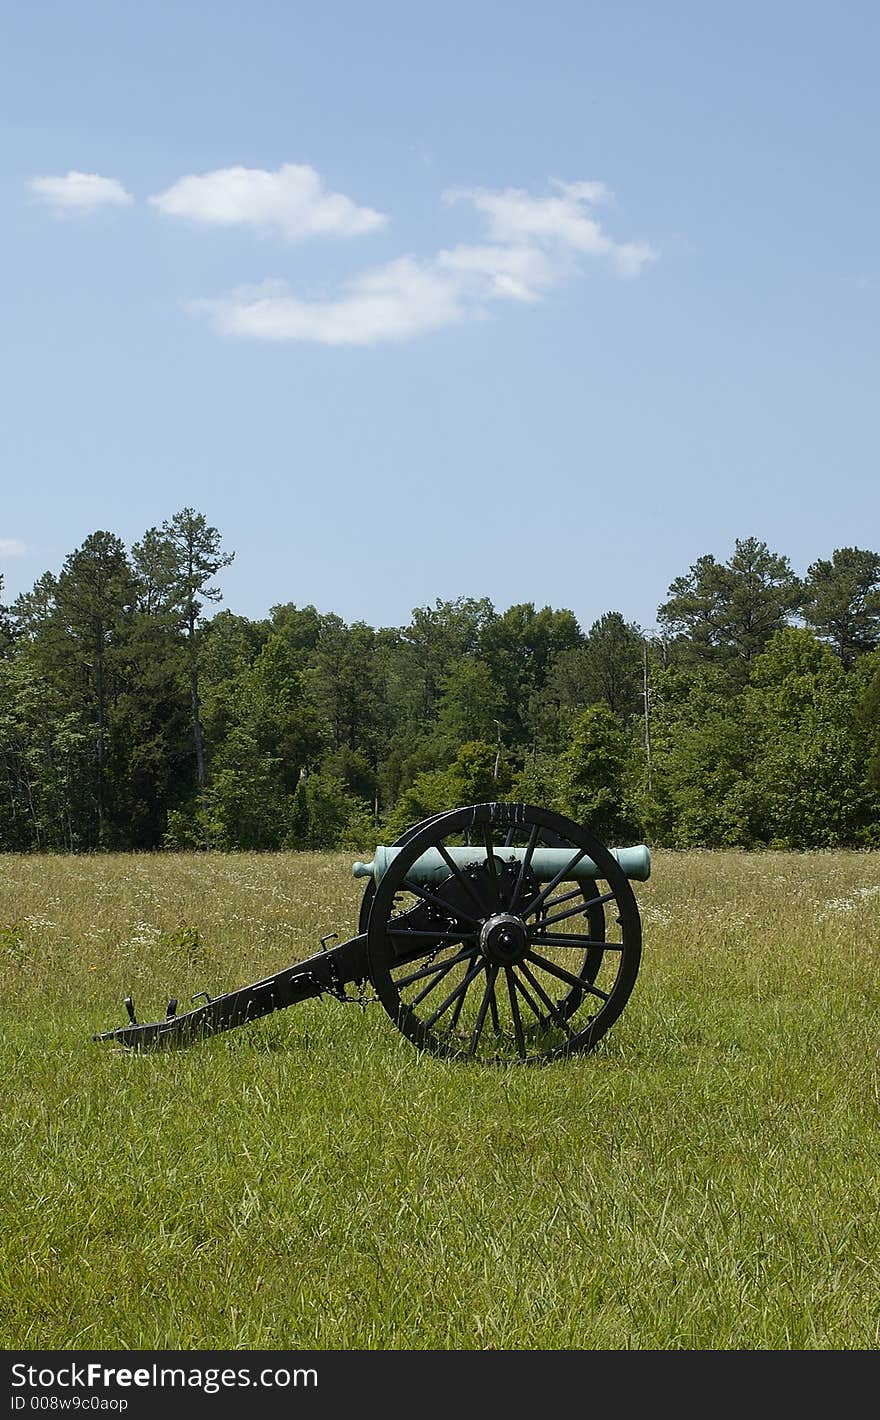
131, 720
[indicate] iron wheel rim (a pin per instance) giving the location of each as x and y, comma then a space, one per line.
517, 1000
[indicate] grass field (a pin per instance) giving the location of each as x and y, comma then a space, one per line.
708, 1178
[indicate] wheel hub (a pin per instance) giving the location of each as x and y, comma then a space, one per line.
504, 939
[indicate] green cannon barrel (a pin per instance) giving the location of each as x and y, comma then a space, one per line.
546, 863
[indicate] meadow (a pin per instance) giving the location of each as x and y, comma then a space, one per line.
706, 1179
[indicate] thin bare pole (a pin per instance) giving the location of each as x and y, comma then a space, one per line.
646, 694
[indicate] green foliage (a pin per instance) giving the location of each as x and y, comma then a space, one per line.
244, 801
806, 761
701, 791
842, 601
478, 774
185, 829
520, 648
129, 721
869, 719
341, 681
184, 941
229, 644
537, 782
613, 651
12, 942
46, 760
437, 637
471, 704
594, 775
300, 627
353, 769
778, 764
724, 614
328, 816
7, 630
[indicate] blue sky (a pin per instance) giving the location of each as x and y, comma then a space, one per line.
534, 302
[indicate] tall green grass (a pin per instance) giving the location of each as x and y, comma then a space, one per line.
706, 1179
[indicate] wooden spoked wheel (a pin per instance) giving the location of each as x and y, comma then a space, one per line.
488, 962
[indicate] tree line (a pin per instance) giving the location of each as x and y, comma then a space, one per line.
131, 721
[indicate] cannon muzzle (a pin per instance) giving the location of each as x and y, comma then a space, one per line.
546, 863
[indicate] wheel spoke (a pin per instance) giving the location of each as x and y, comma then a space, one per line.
488, 995
407, 952
491, 867
569, 939
410, 933
565, 897
526, 994
426, 990
418, 891
564, 916
524, 868
459, 991
545, 892
536, 1010
514, 1011
563, 975
465, 882
573, 911
551, 1005
455, 1015
433, 967
493, 1011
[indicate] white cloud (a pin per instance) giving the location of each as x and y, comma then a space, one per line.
79, 192
584, 191
392, 302
518, 273
292, 203
534, 244
13, 547
563, 222
628, 258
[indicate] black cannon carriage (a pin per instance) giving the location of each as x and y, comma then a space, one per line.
498, 932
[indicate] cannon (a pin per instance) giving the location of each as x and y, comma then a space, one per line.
496, 932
